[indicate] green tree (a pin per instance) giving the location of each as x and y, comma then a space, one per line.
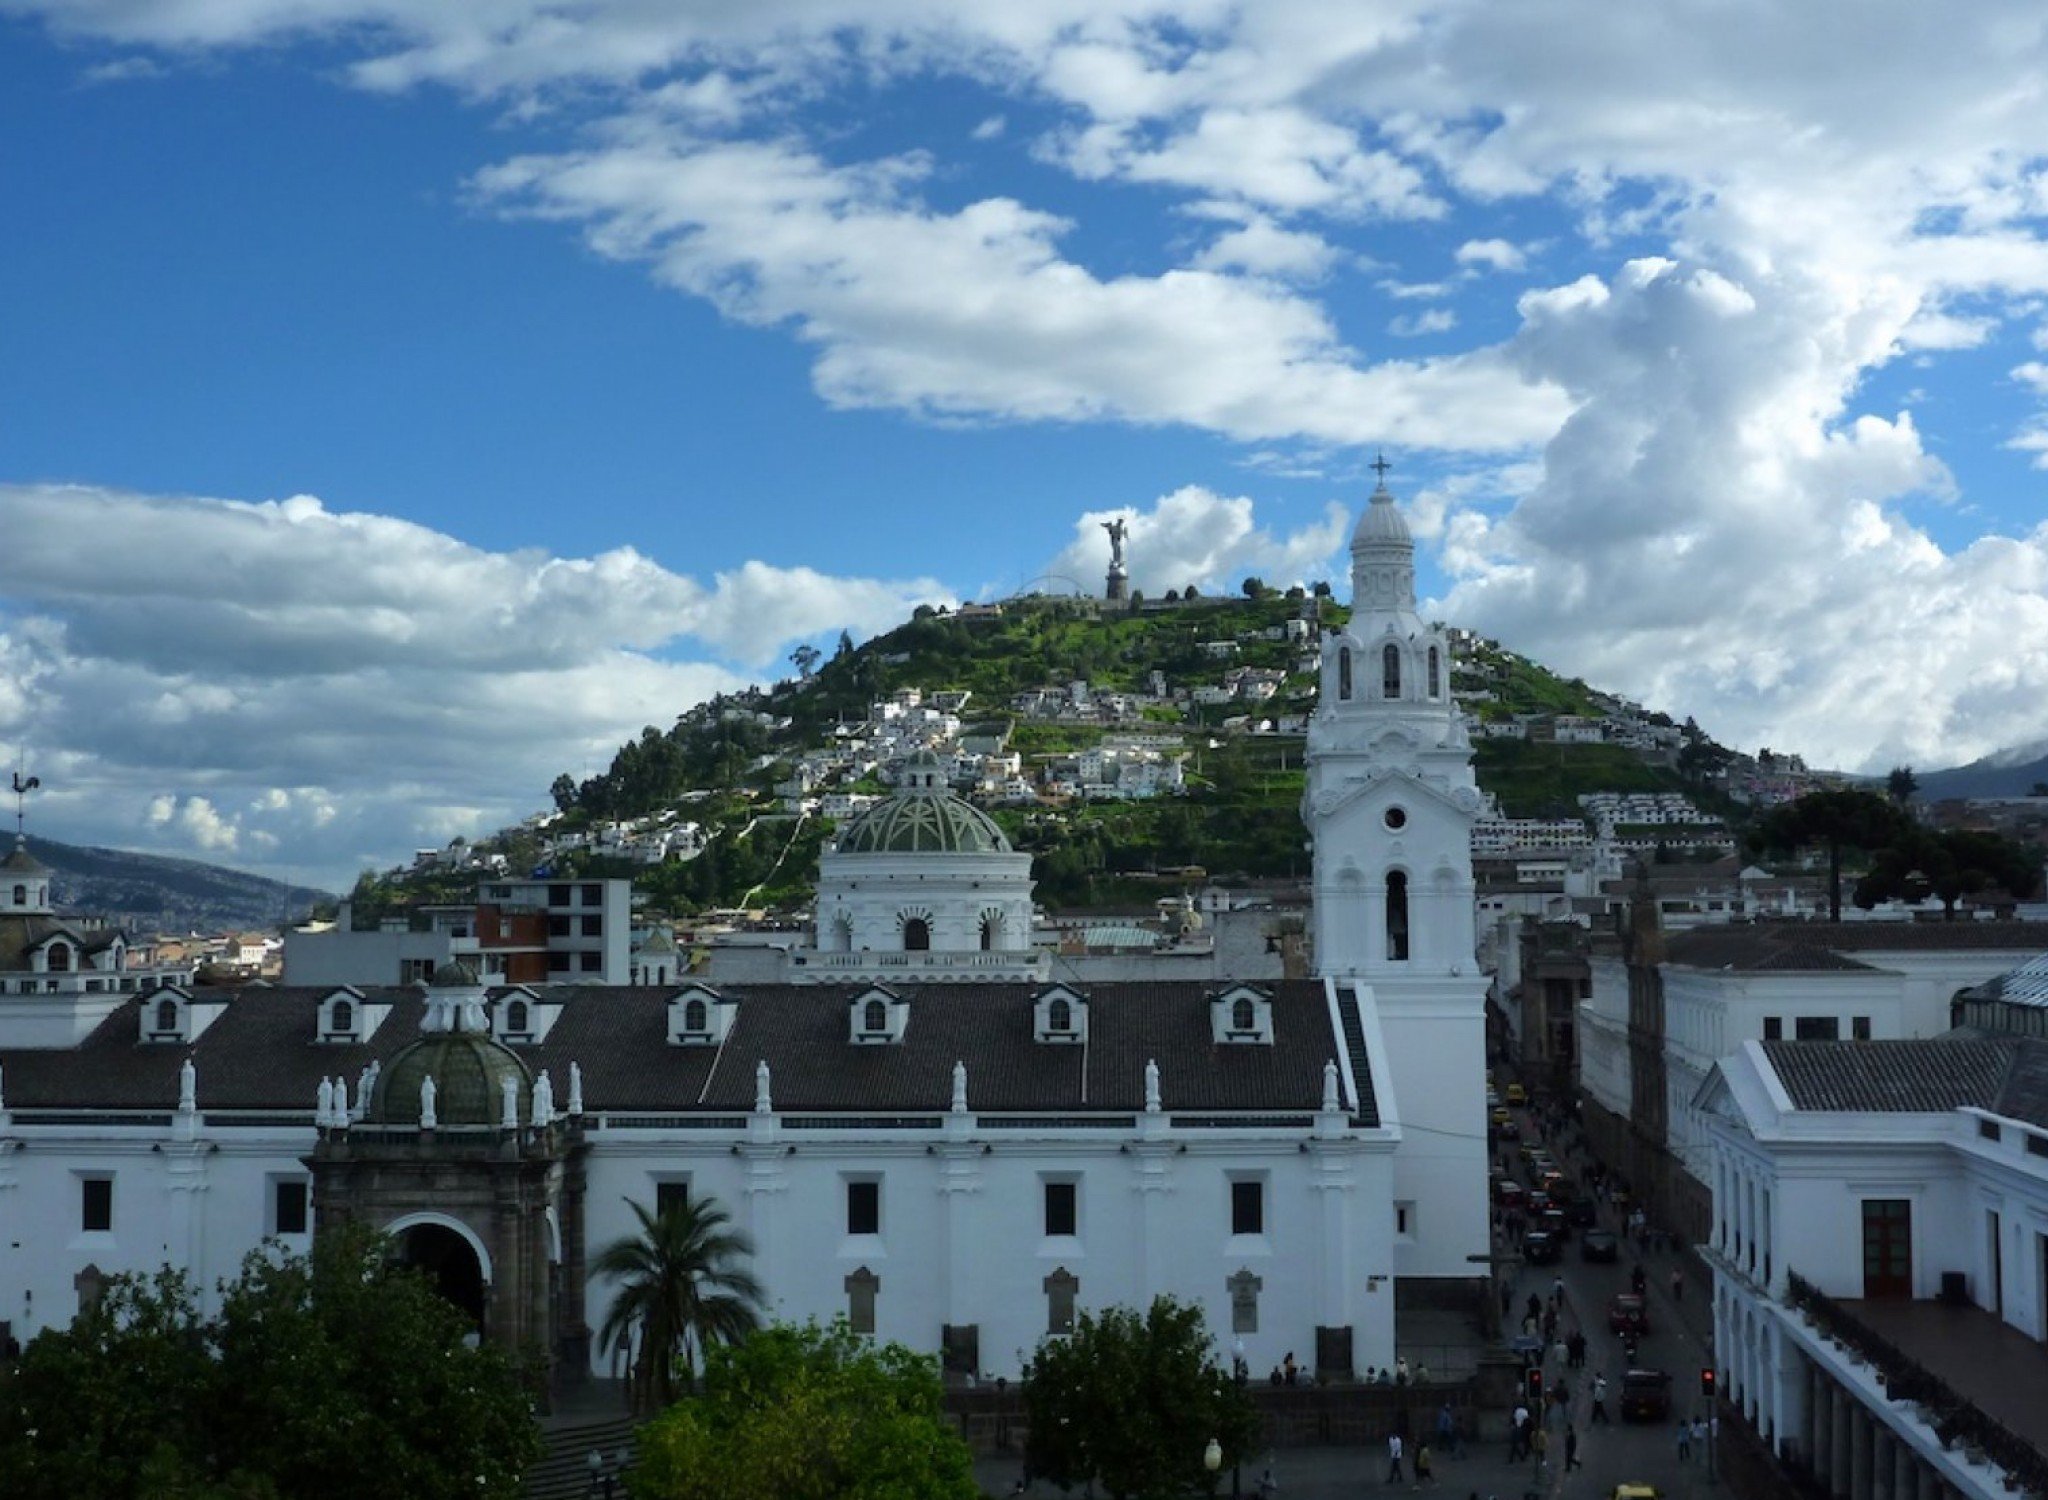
1840, 819
681, 1291
1949, 865
1130, 1401
563, 791
1901, 784
315, 1375
807, 1413
805, 659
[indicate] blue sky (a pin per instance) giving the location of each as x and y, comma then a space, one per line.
400, 403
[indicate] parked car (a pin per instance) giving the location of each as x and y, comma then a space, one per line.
1508, 1193
1636, 1491
1645, 1396
1540, 1248
1517, 1094
1628, 1313
1600, 1244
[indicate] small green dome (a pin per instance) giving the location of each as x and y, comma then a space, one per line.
455, 974
923, 817
468, 1069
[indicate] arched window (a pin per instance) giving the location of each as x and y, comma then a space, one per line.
1397, 915
1390, 670
1344, 673
21, 895
693, 1016
917, 935
874, 1016
842, 933
991, 924
167, 1015
1242, 1017
60, 958
1436, 689
1059, 1016
342, 1017
515, 1017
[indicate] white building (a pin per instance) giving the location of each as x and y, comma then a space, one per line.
959, 1166
1880, 1255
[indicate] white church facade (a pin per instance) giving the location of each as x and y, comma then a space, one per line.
957, 1165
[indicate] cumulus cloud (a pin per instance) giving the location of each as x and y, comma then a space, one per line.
344, 682
1491, 255
1436, 320
1196, 536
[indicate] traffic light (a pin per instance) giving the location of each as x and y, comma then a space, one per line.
1707, 1381
1532, 1379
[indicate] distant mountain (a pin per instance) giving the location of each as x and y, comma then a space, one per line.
2003, 773
152, 893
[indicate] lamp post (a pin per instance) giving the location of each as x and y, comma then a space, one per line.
1212, 1456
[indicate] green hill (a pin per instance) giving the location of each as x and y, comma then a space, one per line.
720, 764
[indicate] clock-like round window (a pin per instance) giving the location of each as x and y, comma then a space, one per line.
1396, 818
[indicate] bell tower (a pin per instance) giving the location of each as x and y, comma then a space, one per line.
1389, 806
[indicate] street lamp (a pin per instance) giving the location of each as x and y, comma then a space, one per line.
1212, 1456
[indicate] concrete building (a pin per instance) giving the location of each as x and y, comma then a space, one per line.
538, 931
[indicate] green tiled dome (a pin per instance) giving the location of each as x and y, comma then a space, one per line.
468, 1069
923, 818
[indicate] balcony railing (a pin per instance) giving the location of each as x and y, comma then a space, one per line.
1955, 1418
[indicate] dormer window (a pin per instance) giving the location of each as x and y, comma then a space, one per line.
57, 958
700, 1017
1060, 1015
343, 1016
878, 1015
518, 1018
1242, 1015
166, 1016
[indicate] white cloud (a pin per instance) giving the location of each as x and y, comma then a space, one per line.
1263, 248
1436, 320
1491, 255
359, 675
1196, 536
990, 128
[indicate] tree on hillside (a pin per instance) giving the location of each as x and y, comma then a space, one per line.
1949, 865
805, 659
563, 792
1901, 784
808, 1413
1840, 819
681, 1291
315, 1379
1130, 1400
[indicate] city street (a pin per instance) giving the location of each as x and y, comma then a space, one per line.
1610, 1454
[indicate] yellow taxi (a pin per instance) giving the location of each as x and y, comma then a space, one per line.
1517, 1094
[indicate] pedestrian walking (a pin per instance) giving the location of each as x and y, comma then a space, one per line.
1684, 1441
1599, 1400
1393, 1458
1424, 1469
1577, 1348
1447, 1430
1571, 1449
1539, 1444
1518, 1434
1677, 1285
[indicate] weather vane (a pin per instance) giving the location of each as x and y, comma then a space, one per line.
23, 785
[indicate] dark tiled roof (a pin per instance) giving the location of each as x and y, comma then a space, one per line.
2024, 1095
260, 1053
21, 933
1915, 1077
1757, 949
1921, 937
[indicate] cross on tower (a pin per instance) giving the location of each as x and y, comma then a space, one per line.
1379, 466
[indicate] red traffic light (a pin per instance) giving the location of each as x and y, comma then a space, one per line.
1533, 1384
1707, 1382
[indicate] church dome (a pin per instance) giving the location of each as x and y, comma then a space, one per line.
21, 862
469, 1071
453, 975
923, 817
1382, 523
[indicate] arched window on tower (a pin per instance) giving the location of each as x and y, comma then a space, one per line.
21, 895
1390, 670
917, 935
1436, 680
1343, 678
1397, 916
991, 924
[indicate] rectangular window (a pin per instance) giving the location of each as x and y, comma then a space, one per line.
288, 1205
558, 895
864, 1206
2037, 1145
96, 1205
1774, 1029
1989, 1131
593, 926
558, 926
1247, 1207
1404, 1218
1817, 1029
1859, 1028
593, 895
558, 963
1887, 1247
591, 962
1062, 1207
671, 1197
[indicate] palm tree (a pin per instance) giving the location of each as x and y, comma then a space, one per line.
680, 1291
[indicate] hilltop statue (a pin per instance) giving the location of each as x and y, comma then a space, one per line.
1118, 529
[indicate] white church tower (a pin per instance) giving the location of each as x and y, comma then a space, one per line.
1389, 807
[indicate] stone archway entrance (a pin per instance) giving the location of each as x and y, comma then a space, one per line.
450, 1263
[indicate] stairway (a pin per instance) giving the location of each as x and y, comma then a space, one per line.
1354, 1048
563, 1471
